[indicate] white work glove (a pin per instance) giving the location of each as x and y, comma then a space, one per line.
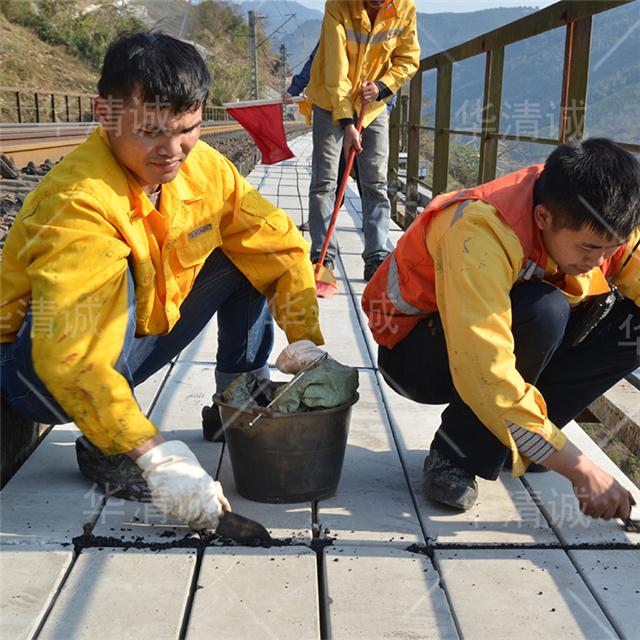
180, 487
297, 356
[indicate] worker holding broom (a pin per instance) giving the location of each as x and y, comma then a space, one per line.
368, 49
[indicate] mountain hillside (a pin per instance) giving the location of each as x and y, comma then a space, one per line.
533, 83
27, 62
533, 68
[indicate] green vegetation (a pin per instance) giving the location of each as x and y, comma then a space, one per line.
85, 34
85, 30
224, 34
618, 452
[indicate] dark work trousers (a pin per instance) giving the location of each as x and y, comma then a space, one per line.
245, 339
568, 377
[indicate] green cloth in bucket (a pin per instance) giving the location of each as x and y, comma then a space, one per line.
328, 384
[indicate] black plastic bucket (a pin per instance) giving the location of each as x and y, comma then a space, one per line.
286, 457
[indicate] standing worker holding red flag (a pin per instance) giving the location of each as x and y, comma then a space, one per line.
368, 49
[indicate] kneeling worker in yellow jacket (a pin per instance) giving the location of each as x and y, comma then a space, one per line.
123, 254
485, 305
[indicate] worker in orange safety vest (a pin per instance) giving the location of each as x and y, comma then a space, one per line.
494, 302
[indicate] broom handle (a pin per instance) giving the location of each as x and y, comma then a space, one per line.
343, 188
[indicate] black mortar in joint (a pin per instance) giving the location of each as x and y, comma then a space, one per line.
91, 541
186, 542
318, 544
431, 547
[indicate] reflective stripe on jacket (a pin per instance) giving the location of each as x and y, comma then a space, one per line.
352, 51
67, 256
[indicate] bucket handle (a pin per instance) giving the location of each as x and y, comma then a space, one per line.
290, 384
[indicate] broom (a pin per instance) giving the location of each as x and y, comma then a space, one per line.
326, 284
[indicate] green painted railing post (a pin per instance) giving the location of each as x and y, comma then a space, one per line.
491, 115
443, 122
575, 79
413, 147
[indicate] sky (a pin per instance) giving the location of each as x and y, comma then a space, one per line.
439, 6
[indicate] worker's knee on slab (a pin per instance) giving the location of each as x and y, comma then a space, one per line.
540, 311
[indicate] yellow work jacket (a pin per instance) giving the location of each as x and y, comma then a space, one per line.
67, 256
476, 316
352, 51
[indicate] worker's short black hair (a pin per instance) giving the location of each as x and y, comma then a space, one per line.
592, 183
165, 70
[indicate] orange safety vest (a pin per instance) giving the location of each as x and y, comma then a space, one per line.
402, 291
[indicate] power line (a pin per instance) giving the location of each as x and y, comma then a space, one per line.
291, 15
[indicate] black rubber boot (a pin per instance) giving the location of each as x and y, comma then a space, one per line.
117, 476
212, 428
445, 483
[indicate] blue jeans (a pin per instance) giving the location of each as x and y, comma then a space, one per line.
245, 340
569, 377
372, 169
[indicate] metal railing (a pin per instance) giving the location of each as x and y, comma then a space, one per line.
406, 122
42, 105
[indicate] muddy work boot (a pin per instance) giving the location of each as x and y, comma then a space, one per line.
443, 482
117, 475
212, 429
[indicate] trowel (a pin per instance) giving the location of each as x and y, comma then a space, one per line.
631, 524
243, 530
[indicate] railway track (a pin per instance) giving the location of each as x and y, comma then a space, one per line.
38, 142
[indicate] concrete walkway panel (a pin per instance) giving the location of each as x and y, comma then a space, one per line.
256, 593
48, 500
187, 389
504, 512
341, 330
561, 506
380, 592
30, 578
351, 241
519, 593
614, 579
372, 504
136, 594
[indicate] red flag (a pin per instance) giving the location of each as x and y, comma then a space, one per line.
263, 123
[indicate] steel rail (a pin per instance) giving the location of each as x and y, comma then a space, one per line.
37, 142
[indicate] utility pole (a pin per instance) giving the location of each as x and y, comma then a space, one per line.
253, 56
283, 77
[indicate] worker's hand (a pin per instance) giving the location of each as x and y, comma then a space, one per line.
351, 139
369, 92
180, 487
288, 98
600, 495
297, 356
